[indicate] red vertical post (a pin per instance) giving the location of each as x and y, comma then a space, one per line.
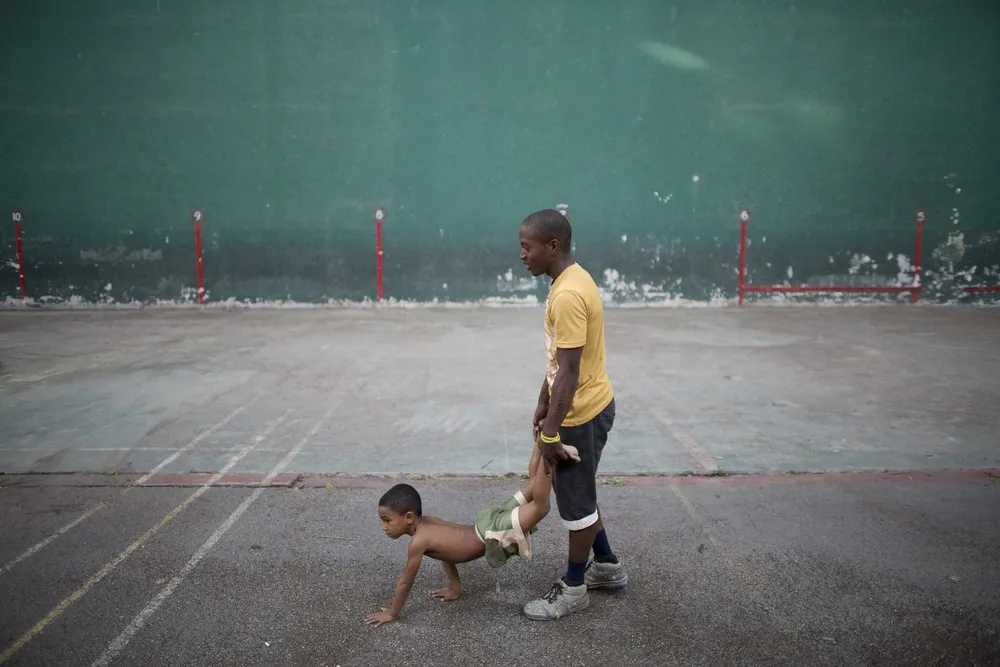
921, 217
741, 281
196, 217
378, 215
15, 216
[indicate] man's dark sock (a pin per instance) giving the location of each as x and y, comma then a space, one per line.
575, 573
602, 548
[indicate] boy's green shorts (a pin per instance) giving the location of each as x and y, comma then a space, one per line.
498, 528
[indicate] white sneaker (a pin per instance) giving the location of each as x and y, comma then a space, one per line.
605, 575
560, 600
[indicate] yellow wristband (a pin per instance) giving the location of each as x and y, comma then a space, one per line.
547, 440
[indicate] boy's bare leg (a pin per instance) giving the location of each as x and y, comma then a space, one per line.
454, 588
536, 456
540, 489
533, 468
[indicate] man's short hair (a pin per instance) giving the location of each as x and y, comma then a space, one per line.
401, 499
550, 224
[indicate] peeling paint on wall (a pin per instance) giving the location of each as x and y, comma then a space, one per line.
508, 283
861, 261
121, 255
905, 275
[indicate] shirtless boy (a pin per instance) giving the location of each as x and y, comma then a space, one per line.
500, 532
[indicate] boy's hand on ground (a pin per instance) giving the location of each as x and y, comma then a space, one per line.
379, 617
445, 594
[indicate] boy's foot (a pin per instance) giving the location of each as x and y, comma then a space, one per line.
605, 575
561, 600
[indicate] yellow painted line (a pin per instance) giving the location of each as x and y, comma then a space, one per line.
694, 515
39, 376
176, 452
747, 576
103, 572
97, 360
125, 553
120, 642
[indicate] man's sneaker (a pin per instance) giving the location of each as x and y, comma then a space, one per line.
605, 575
561, 600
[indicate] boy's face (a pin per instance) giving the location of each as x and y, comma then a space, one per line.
395, 525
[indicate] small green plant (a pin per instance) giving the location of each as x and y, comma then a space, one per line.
618, 481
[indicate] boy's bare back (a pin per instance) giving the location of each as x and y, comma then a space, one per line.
446, 541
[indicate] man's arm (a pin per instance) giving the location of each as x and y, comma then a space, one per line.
541, 409
563, 390
414, 556
543, 395
569, 315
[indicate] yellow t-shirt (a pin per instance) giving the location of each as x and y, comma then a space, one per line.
574, 317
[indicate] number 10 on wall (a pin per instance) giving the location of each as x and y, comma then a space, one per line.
16, 218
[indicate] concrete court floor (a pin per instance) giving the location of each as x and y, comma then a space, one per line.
232, 533
452, 391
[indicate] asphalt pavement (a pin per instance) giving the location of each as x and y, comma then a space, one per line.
856, 569
787, 486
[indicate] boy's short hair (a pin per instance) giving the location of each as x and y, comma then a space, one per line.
401, 499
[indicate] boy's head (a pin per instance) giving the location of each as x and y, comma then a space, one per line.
399, 508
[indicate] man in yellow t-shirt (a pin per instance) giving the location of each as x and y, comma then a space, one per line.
576, 405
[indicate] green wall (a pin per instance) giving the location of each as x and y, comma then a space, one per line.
287, 122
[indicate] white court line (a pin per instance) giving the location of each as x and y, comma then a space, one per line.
506, 445
203, 450
140, 541
44, 543
119, 643
198, 438
102, 449
93, 510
